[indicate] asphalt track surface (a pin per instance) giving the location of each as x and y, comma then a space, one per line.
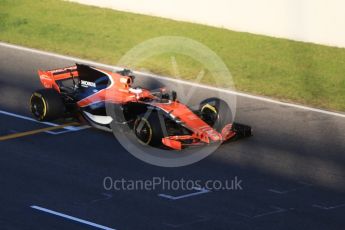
292, 170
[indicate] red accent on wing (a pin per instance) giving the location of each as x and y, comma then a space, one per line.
200, 128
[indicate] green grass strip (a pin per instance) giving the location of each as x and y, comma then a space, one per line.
288, 70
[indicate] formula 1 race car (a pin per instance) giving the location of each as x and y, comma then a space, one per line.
156, 118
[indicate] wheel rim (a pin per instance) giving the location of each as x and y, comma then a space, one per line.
143, 131
38, 107
209, 114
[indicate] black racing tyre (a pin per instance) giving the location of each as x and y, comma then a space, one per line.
148, 129
216, 113
47, 105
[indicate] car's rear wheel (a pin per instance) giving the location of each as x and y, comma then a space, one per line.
148, 129
216, 113
47, 105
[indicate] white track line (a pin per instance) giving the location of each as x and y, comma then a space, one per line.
200, 191
328, 207
75, 59
26, 118
71, 218
67, 129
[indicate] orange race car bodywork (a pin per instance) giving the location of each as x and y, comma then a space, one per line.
88, 89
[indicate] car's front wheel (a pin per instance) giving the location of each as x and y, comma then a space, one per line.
216, 113
148, 128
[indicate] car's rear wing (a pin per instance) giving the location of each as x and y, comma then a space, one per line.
51, 78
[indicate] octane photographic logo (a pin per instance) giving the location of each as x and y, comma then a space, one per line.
162, 183
190, 93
